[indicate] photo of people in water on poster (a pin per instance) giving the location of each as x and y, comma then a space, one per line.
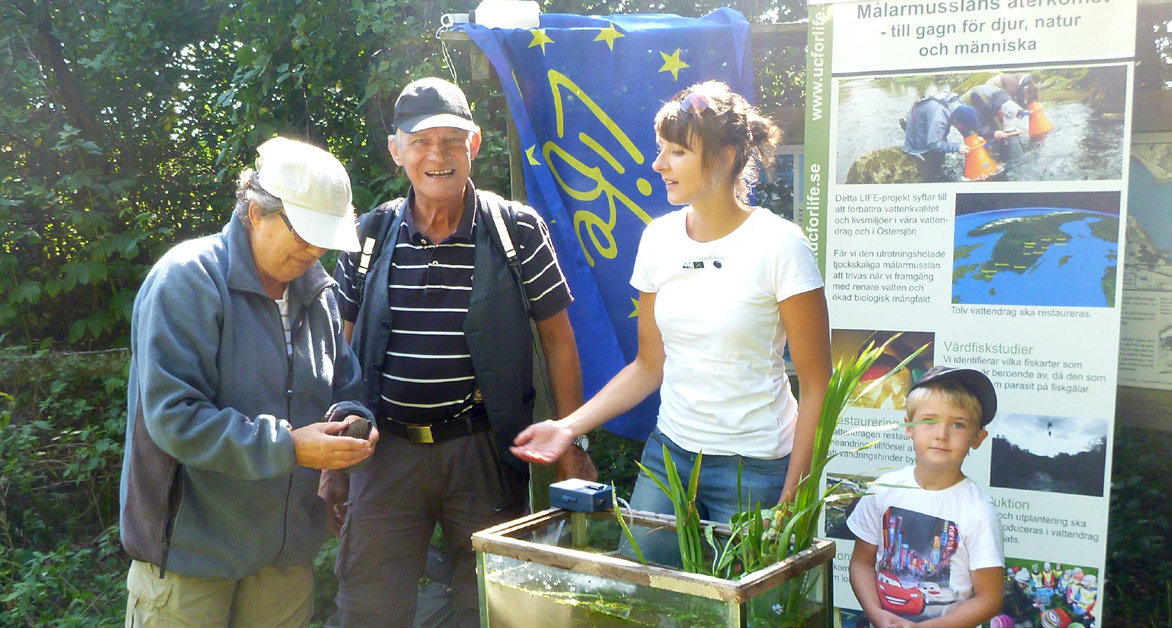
1043, 249
1031, 124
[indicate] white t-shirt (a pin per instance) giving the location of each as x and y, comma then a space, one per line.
725, 390
928, 542
286, 323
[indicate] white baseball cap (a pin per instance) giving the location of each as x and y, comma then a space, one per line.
314, 188
1010, 110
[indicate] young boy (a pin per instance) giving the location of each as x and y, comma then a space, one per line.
928, 549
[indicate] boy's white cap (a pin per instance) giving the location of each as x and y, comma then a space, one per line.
314, 188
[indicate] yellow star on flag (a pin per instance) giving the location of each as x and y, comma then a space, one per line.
609, 34
540, 39
529, 153
634, 313
672, 63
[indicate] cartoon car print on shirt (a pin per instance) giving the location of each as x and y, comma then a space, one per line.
896, 598
934, 594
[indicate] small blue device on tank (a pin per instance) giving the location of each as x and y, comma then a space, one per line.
581, 496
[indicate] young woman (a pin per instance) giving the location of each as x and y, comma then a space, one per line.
722, 286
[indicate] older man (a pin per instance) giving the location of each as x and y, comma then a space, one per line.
440, 320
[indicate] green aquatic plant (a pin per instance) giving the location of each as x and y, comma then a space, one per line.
614, 498
761, 537
797, 533
840, 393
683, 501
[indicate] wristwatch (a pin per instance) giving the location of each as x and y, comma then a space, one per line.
582, 442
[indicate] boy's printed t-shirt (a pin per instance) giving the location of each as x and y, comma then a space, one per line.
928, 542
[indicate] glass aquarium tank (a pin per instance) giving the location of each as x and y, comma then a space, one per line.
562, 568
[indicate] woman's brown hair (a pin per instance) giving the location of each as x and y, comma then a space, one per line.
709, 117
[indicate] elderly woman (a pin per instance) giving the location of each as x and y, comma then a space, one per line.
238, 360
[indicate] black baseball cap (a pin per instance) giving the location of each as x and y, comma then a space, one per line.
965, 118
975, 381
432, 102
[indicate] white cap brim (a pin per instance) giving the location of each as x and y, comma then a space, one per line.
325, 230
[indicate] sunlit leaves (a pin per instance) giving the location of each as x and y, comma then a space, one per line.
181, 93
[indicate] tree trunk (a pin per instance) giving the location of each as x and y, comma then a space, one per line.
49, 50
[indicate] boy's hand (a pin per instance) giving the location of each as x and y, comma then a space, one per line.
895, 621
886, 619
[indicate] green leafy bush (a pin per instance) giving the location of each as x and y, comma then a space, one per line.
617, 459
62, 423
1139, 553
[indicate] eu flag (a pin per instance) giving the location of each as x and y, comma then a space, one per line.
583, 92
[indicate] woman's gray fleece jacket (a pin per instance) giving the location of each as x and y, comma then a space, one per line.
210, 487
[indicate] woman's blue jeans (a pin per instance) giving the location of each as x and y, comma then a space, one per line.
716, 499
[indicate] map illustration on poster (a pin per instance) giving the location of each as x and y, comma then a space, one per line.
1145, 346
966, 187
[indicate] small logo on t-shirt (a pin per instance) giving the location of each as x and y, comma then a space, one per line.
711, 260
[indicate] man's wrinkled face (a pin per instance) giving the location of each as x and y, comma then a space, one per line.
438, 161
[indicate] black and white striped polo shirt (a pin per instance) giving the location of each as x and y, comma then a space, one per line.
427, 373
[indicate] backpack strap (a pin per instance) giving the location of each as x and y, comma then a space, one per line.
373, 241
498, 209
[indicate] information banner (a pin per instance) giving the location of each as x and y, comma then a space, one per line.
1145, 345
966, 186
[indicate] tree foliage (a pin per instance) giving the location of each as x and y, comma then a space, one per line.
123, 123
62, 421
